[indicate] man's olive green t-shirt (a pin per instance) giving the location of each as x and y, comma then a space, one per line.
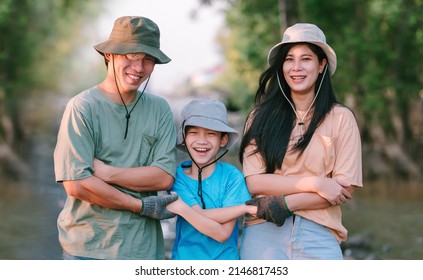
93, 126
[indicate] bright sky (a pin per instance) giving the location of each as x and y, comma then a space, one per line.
190, 43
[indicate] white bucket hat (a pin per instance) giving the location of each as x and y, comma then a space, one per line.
207, 113
307, 33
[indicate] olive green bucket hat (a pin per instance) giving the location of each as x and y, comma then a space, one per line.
133, 34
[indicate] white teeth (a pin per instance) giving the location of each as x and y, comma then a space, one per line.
201, 149
134, 77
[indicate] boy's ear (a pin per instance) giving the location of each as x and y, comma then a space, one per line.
224, 140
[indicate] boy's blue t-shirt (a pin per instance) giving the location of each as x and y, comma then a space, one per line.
225, 187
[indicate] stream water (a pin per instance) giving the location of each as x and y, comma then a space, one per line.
389, 228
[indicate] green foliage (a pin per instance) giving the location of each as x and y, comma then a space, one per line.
378, 44
38, 38
251, 35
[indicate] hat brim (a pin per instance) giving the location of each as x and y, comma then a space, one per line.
113, 47
330, 53
207, 123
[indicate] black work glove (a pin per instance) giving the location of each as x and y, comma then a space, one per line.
271, 208
155, 206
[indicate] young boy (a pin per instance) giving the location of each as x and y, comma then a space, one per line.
211, 193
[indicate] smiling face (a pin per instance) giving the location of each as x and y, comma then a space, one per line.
204, 144
301, 69
131, 70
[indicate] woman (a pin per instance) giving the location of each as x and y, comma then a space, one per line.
300, 153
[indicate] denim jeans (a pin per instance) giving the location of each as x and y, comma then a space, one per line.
297, 239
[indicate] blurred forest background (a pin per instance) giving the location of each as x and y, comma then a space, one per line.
379, 76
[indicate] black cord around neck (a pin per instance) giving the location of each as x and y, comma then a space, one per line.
200, 181
128, 113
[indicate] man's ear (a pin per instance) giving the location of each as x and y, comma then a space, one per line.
108, 56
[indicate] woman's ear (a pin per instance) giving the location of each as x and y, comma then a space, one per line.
322, 65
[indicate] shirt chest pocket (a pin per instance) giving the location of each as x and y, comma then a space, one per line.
320, 155
147, 149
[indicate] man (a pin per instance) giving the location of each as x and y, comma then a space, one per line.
115, 122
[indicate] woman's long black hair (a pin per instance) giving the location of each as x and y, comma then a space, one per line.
272, 119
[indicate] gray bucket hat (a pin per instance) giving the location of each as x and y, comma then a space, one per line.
133, 34
308, 33
207, 113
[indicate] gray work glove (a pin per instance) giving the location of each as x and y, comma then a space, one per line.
155, 206
271, 208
